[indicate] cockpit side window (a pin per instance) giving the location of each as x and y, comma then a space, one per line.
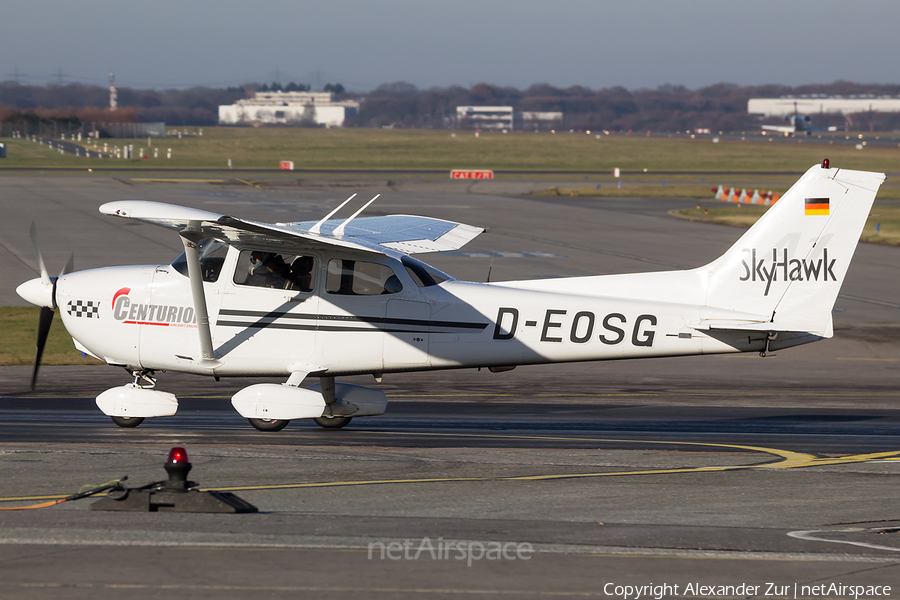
212, 256
273, 270
360, 278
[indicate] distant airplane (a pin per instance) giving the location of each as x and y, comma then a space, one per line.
798, 124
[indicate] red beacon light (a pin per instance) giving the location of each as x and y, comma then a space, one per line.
826, 163
178, 455
178, 466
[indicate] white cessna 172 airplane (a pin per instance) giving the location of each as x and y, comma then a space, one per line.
344, 296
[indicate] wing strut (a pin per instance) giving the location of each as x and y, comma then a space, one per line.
195, 274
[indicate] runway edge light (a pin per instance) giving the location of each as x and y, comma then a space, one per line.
176, 494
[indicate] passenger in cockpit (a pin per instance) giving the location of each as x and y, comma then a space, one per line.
301, 274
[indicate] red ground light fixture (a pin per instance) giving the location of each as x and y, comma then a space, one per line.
176, 494
177, 466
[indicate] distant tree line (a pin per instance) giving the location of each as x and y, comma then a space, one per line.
193, 106
720, 107
666, 108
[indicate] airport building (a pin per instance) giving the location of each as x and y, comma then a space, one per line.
485, 117
289, 108
538, 120
504, 117
817, 104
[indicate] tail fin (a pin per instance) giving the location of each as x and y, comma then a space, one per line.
791, 264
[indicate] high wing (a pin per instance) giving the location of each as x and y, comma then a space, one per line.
405, 234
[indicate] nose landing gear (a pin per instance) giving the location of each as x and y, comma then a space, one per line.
130, 404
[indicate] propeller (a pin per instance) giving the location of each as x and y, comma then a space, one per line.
42, 292
44, 322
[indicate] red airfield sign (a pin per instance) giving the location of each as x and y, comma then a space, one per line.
471, 174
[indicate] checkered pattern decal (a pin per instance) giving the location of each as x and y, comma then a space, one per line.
84, 308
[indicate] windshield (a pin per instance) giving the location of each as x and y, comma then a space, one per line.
423, 274
212, 257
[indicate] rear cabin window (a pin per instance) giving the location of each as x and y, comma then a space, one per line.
273, 270
360, 278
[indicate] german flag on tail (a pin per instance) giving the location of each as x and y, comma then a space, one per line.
817, 206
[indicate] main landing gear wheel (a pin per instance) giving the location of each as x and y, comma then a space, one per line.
269, 424
332, 422
127, 421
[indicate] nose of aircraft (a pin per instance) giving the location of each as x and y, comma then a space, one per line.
37, 292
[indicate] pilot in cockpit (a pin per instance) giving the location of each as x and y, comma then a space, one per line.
267, 270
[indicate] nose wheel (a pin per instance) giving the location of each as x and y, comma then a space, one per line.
127, 422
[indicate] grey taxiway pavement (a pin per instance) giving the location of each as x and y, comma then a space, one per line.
709, 471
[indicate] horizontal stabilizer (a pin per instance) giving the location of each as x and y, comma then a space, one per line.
751, 326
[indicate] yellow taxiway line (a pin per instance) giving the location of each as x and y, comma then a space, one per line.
789, 460
160, 180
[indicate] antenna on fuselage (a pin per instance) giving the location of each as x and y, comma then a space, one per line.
318, 226
339, 231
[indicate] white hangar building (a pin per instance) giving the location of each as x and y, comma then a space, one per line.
815, 104
289, 108
504, 117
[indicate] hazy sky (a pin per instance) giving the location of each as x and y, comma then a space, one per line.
361, 44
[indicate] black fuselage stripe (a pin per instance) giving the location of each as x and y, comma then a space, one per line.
348, 318
258, 313
262, 325
297, 326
